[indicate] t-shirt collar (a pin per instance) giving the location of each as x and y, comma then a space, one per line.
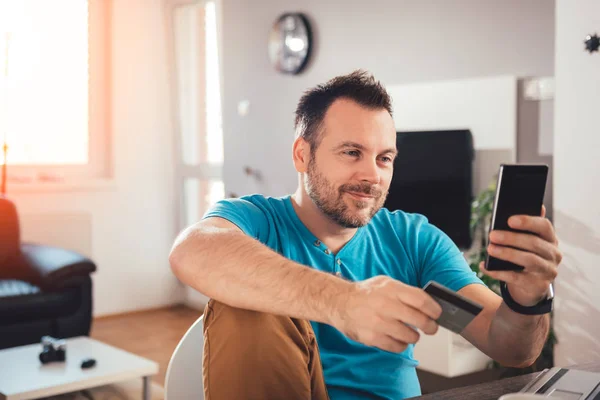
306, 233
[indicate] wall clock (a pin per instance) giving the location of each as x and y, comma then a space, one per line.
290, 43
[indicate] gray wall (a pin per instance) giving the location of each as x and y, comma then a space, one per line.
400, 41
535, 120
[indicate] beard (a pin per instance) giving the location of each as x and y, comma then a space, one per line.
331, 200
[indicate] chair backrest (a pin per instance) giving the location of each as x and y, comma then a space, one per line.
9, 230
184, 373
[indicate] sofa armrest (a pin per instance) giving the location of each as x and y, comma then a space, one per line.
54, 268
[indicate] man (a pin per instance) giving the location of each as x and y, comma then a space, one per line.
330, 254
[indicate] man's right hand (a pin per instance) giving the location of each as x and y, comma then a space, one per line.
377, 312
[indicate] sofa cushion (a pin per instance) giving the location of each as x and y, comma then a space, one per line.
21, 301
10, 288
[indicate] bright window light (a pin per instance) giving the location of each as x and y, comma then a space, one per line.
214, 137
44, 89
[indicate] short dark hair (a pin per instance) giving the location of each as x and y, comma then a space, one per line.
359, 86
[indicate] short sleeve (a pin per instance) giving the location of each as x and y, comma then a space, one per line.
244, 214
441, 261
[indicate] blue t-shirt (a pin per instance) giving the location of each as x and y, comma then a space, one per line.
397, 244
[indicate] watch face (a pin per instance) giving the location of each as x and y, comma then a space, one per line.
290, 43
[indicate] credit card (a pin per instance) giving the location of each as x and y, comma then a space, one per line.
457, 310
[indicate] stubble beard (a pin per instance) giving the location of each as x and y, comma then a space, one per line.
331, 200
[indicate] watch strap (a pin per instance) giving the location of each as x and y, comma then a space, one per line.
543, 307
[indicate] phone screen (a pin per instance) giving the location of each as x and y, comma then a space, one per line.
520, 191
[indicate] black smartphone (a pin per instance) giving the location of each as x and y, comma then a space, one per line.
520, 191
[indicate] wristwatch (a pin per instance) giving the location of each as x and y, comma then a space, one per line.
543, 307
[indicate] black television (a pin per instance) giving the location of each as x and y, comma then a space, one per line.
433, 176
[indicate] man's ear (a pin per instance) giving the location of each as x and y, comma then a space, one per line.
301, 154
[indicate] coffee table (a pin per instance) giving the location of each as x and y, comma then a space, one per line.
23, 376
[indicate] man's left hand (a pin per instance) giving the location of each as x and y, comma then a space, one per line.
536, 251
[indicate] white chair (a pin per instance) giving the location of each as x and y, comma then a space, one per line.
184, 373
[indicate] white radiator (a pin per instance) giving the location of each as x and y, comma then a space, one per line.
71, 231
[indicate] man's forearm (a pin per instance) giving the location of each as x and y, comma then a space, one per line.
239, 271
516, 340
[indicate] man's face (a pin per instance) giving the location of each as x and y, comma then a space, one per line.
349, 174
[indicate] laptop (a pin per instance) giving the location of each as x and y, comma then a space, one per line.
566, 384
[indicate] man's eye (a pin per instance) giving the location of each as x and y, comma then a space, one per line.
387, 159
352, 153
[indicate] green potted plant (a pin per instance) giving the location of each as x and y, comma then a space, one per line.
481, 215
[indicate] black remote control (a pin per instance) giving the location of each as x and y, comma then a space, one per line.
88, 363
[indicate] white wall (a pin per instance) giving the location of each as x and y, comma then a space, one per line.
487, 106
133, 221
577, 182
400, 41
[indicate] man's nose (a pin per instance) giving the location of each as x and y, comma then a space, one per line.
369, 171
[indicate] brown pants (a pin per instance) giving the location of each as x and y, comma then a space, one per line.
253, 355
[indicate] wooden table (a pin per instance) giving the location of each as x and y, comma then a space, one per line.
493, 390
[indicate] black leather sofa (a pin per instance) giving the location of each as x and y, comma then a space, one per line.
44, 290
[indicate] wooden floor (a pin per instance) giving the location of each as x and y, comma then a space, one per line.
151, 334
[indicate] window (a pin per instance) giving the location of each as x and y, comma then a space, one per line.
54, 89
198, 111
